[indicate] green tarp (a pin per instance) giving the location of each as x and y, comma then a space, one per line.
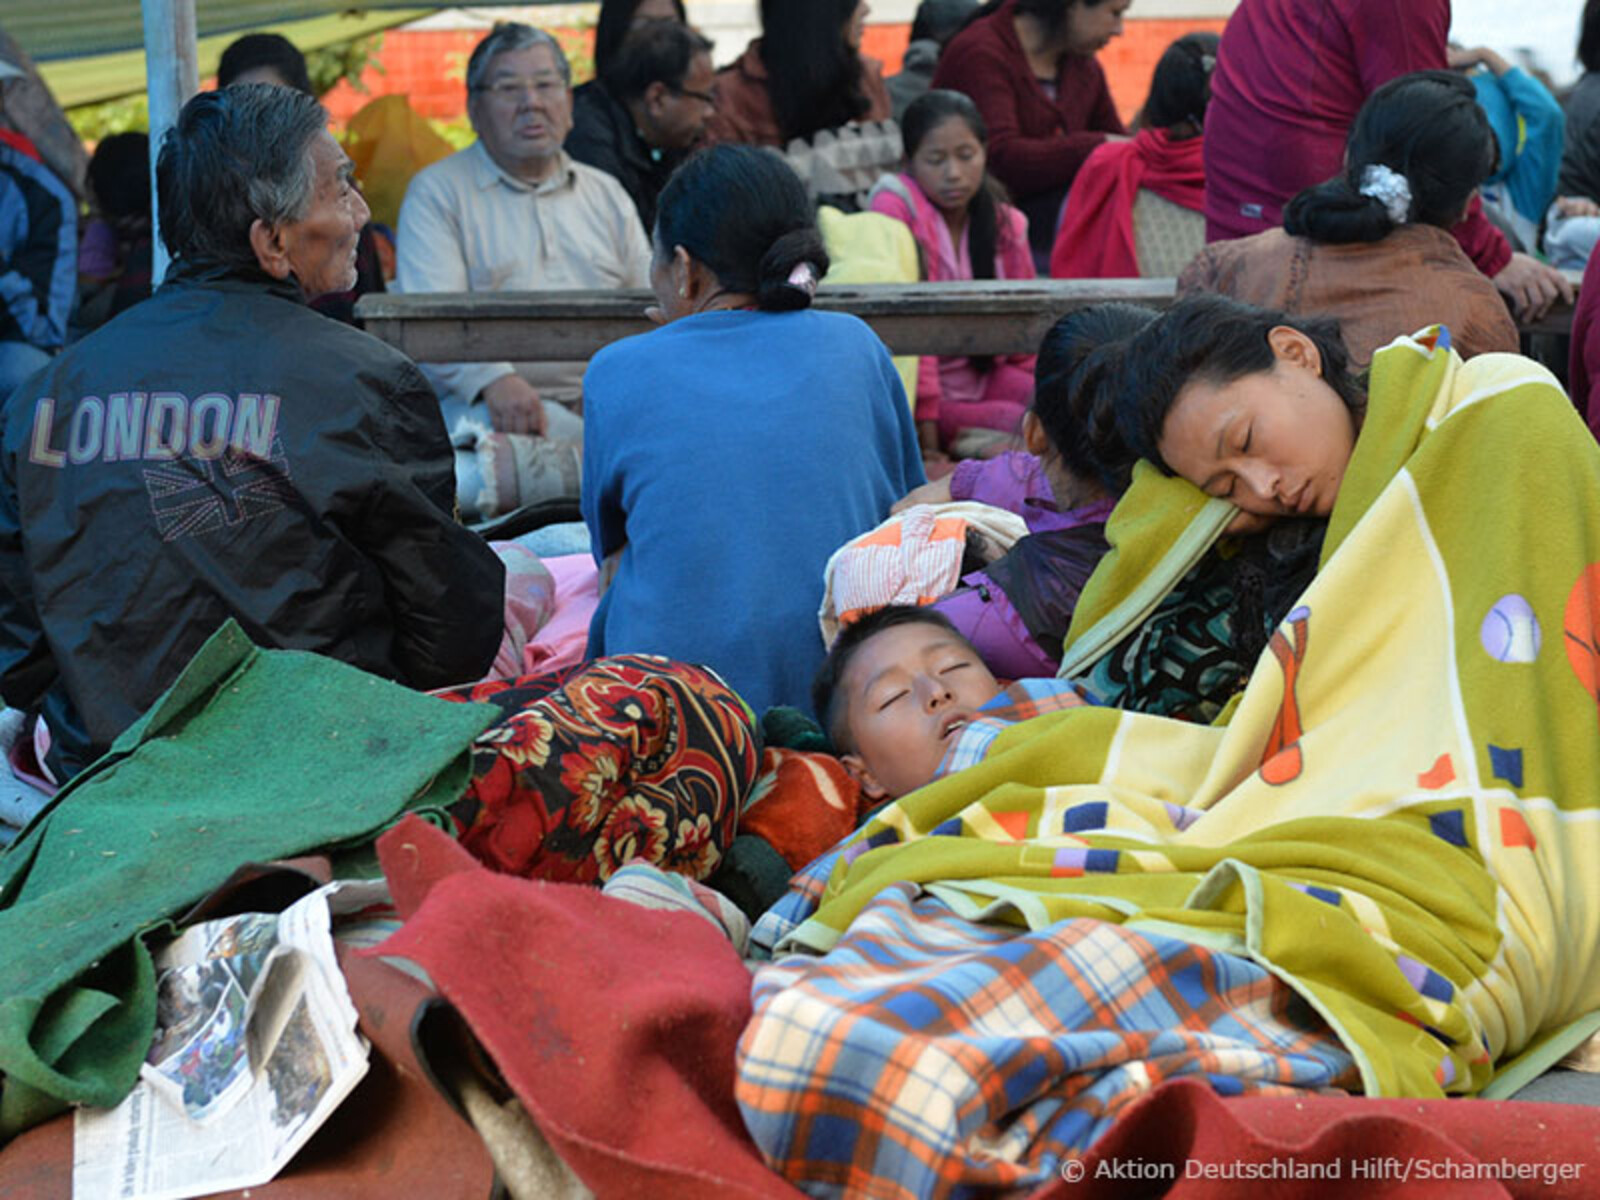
121, 72
93, 50
251, 756
55, 29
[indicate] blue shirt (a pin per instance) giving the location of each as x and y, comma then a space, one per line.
732, 453
1529, 126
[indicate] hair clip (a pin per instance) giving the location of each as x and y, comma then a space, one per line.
804, 277
1390, 189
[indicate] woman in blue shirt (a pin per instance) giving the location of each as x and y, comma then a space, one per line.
730, 452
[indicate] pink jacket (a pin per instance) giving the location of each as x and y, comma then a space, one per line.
898, 196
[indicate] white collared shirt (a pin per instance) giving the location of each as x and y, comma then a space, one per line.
469, 226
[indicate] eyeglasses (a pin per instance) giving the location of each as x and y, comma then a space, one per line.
705, 98
512, 90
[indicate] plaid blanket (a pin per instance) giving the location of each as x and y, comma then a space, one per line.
1021, 701
931, 1055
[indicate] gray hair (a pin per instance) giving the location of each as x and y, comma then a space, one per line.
236, 156
507, 36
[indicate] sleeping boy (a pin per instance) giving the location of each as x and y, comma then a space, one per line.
905, 700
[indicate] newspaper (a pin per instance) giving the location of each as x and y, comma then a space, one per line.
256, 1045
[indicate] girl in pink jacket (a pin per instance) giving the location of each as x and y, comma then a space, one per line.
966, 231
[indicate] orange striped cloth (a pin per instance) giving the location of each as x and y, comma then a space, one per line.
912, 558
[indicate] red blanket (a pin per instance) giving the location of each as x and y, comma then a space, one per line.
804, 803
614, 1024
1095, 237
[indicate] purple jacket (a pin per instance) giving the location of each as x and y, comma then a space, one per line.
982, 610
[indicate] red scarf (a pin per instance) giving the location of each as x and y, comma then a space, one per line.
1095, 238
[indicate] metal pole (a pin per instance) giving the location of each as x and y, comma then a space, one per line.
171, 77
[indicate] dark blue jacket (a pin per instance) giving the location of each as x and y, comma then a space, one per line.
38, 252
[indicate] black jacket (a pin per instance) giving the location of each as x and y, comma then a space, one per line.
604, 136
217, 451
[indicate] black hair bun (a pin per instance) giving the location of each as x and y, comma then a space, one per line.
790, 271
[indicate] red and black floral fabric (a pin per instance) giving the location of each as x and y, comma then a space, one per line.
629, 757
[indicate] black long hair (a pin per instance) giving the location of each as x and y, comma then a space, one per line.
1428, 127
1180, 89
616, 18
1589, 37
743, 212
925, 114
1216, 340
1073, 397
814, 77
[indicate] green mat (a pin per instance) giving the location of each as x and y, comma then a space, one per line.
252, 755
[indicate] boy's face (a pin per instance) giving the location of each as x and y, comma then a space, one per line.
907, 691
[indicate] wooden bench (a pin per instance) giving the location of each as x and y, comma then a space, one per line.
990, 317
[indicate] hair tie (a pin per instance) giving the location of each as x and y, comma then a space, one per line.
1208, 63
1390, 189
804, 277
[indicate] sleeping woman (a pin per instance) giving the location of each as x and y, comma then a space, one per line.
1390, 833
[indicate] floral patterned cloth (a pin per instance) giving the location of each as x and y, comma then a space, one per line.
627, 758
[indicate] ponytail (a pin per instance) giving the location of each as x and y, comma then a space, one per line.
790, 271
744, 214
1336, 214
983, 231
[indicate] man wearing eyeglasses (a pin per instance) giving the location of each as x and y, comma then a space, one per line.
514, 212
639, 121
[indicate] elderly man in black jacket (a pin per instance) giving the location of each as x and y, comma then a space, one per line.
221, 450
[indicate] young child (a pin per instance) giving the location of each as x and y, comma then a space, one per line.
114, 252
906, 699
966, 231
1017, 609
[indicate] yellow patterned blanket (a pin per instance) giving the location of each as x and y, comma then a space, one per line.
1402, 818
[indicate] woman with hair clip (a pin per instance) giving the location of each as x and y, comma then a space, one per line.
730, 452
1030, 67
965, 230
1372, 247
804, 74
1157, 180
